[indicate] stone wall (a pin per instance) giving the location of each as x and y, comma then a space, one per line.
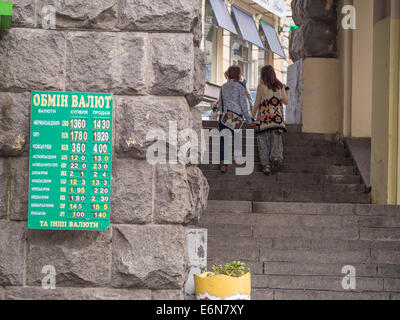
317, 33
147, 54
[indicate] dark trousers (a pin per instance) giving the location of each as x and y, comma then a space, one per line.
222, 143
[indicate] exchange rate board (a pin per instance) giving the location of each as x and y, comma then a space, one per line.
70, 161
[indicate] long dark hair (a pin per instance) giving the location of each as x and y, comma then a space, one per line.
268, 77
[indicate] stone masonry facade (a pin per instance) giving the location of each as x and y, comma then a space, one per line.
147, 54
317, 33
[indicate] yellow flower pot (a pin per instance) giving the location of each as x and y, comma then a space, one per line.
221, 287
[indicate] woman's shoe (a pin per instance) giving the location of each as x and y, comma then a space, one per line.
224, 168
238, 161
276, 164
267, 170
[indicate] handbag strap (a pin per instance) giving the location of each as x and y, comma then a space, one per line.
222, 102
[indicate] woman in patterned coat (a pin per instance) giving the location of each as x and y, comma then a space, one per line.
270, 123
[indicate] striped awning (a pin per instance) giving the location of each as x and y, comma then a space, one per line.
272, 39
222, 15
247, 26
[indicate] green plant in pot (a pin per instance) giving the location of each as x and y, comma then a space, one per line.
231, 281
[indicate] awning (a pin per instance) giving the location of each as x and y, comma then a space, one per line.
222, 15
272, 38
247, 26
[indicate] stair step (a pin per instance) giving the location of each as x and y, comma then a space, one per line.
307, 233
291, 256
292, 139
298, 159
283, 177
379, 248
355, 211
299, 249
267, 187
294, 150
259, 294
267, 232
297, 196
297, 168
289, 140
315, 283
314, 208
274, 220
214, 124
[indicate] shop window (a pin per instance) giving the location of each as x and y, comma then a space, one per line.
241, 54
210, 43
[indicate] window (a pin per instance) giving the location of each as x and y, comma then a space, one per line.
210, 43
241, 55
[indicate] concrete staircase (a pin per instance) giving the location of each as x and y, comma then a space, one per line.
298, 229
316, 169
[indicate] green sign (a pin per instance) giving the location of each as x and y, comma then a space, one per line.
70, 161
6, 8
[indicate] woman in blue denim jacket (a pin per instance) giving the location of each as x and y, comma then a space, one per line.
233, 97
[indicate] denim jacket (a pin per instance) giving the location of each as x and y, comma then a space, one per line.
233, 97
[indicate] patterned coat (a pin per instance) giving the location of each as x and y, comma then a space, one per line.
269, 108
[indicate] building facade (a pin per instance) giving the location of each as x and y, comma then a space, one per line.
148, 57
248, 33
346, 66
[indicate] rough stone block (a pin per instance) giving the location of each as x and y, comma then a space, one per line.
197, 26
132, 198
12, 238
161, 15
60, 293
314, 39
199, 189
19, 188
136, 116
14, 123
23, 13
199, 74
196, 124
3, 187
106, 62
172, 59
32, 59
153, 257
99, 14
80, 258
304, 10
172, 194
167, 295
